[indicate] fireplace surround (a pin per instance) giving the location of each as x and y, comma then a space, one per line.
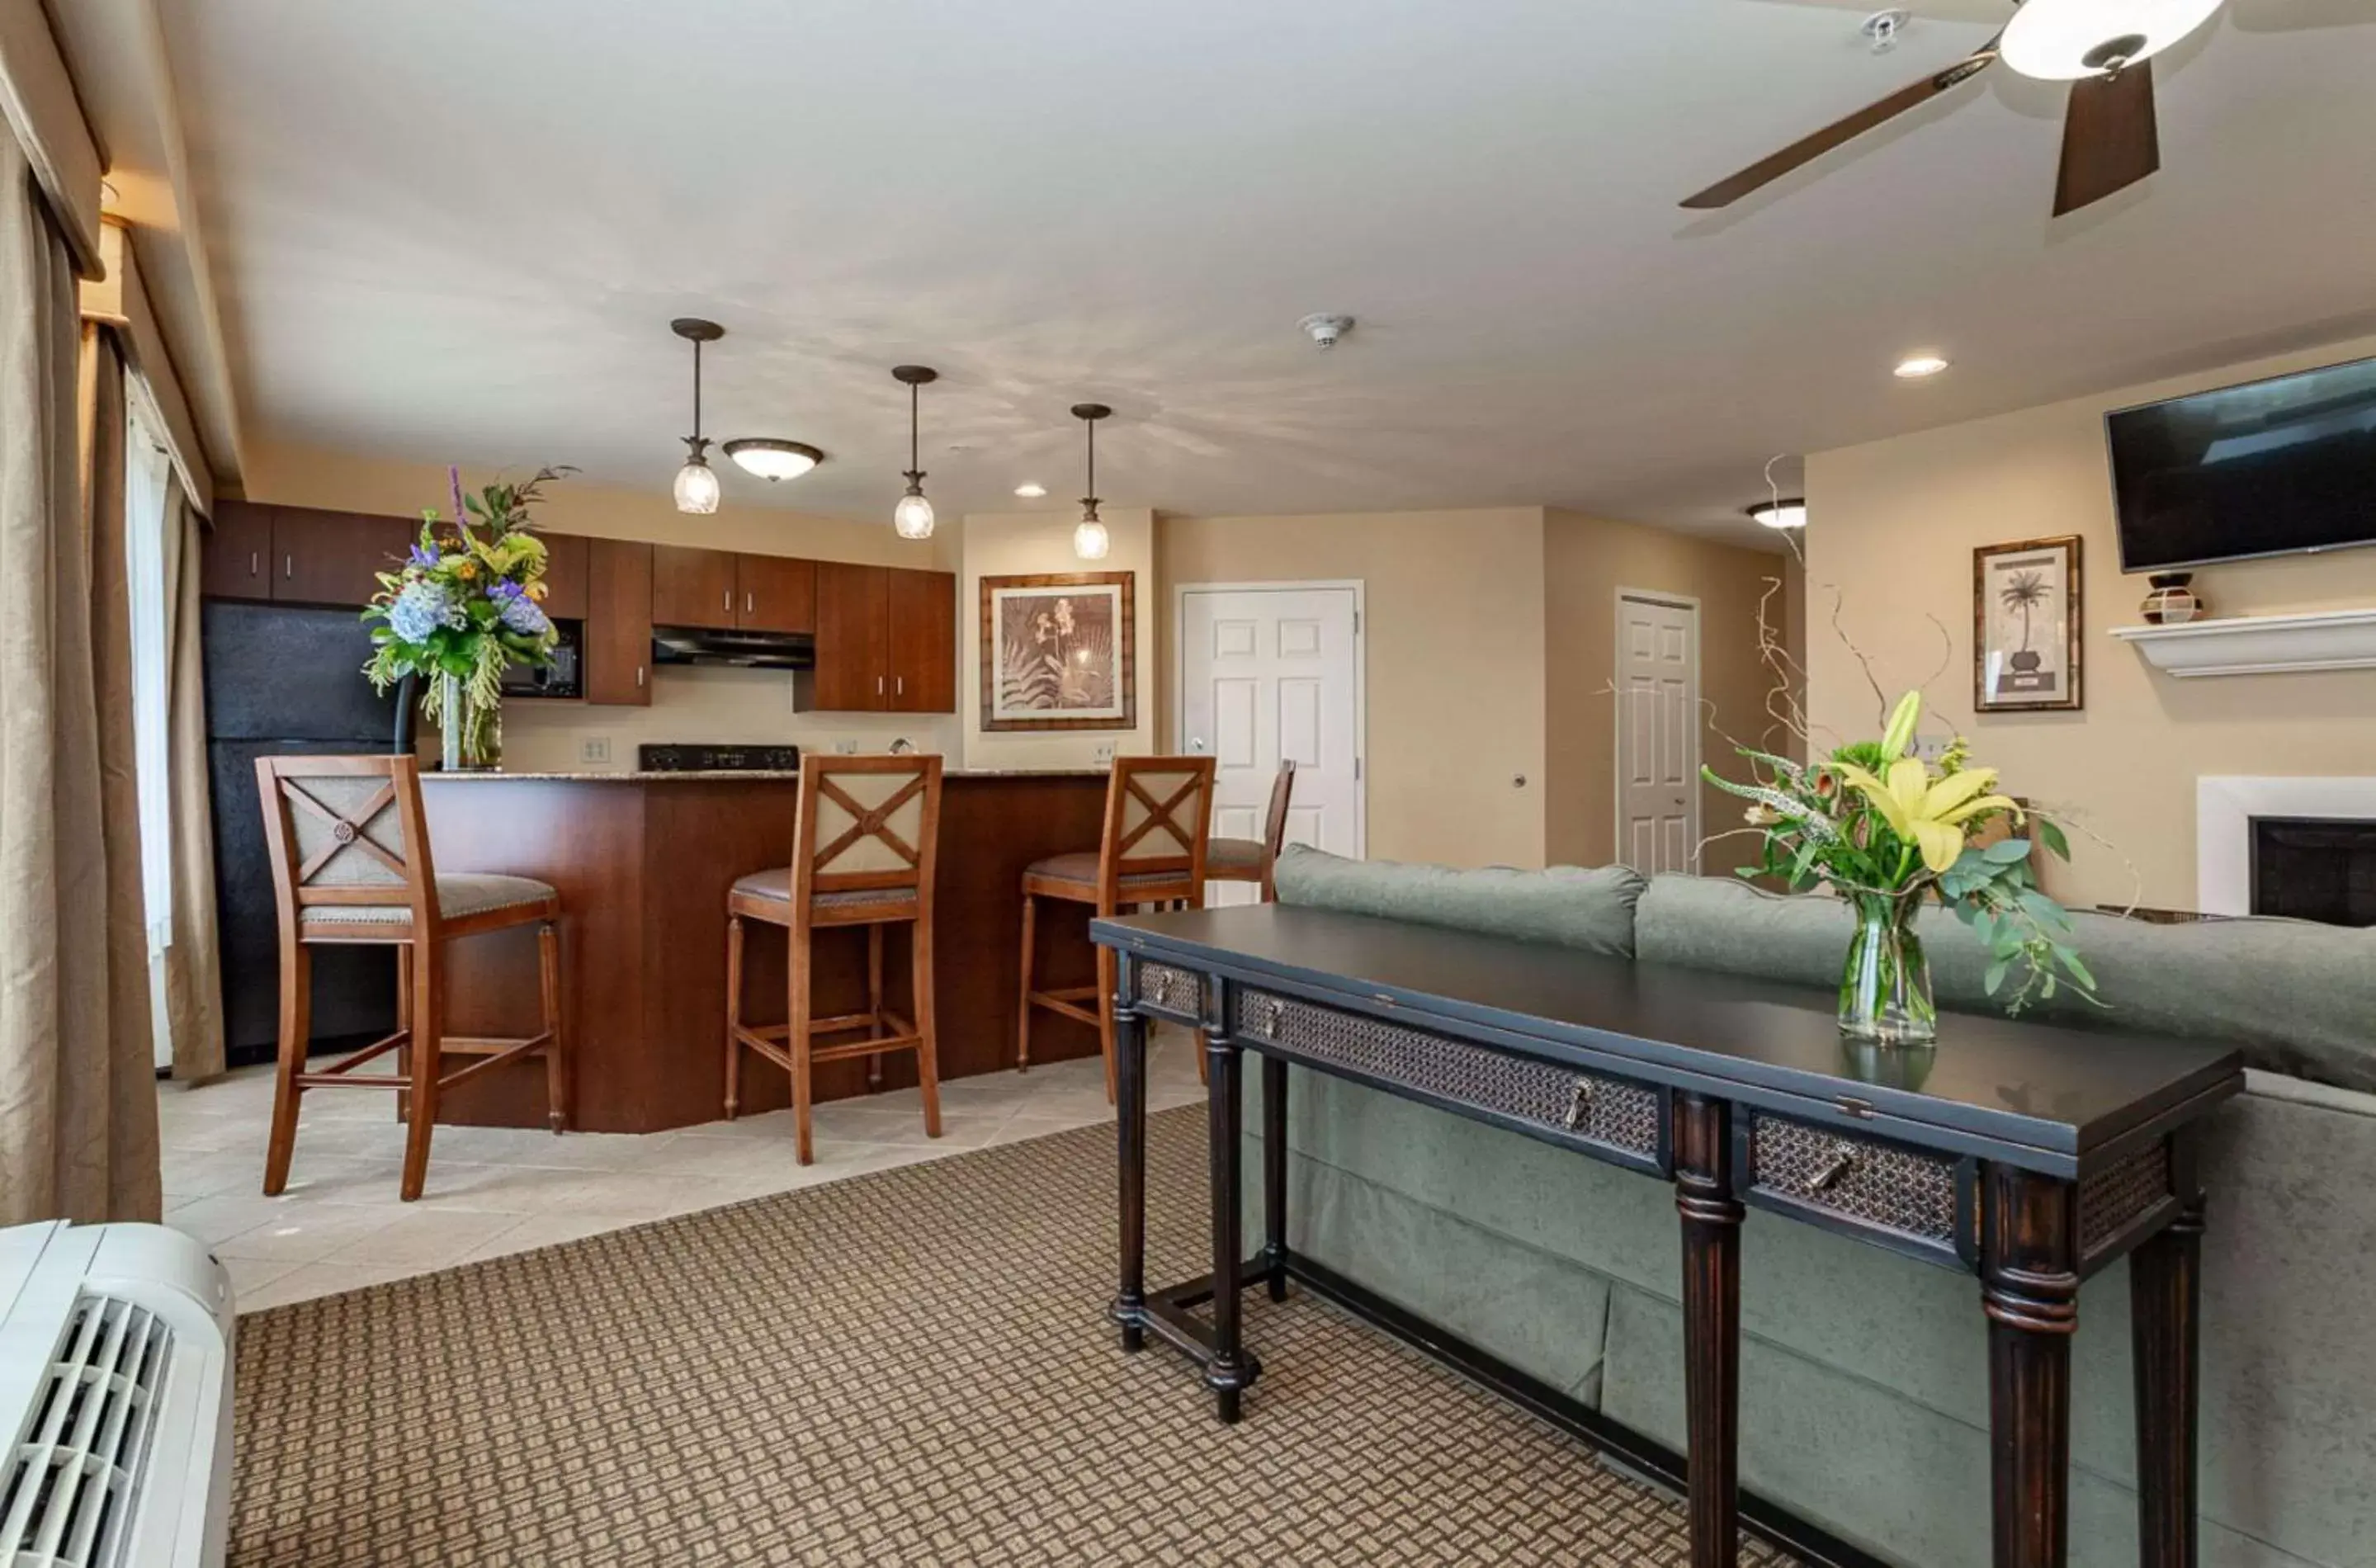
2303, 847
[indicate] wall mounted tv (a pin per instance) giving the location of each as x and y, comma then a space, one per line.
2270, 467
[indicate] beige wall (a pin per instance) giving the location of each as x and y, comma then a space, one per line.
1893, 525
1586, 562
729, 707
1033, 543
1453, 679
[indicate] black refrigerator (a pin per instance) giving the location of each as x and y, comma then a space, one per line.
285, 682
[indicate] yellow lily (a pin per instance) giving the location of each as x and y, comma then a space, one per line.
1900, 733
1930, 813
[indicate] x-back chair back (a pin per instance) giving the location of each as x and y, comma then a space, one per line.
865, 838
349, 844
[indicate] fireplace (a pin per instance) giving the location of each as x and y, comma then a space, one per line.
2300, 846
2314, 869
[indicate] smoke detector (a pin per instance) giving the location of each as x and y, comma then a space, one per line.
1881, 29
1325, 331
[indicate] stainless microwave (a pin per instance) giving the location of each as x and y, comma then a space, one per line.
563, 677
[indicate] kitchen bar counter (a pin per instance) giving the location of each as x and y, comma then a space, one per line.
644, 860
636, 776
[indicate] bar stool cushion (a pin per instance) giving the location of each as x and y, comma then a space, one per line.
1079, 869
776, 882
1240, 855
460, 893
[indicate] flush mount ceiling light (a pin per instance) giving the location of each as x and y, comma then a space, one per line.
913, 517
697, 484
1031, 491
1788, 512
1090, 540
770, 459
1914, 367
2064, 40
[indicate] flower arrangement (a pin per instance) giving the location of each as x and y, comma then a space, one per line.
1885, 830
466, 604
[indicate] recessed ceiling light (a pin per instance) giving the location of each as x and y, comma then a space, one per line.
1032, 492
1791, 511
1914, 367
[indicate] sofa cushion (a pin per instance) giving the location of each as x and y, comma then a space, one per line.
1565, 906
2295, 996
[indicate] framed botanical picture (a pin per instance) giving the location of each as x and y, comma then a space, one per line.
1059, 651
2026, 625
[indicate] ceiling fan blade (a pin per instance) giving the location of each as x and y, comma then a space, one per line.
2109, 140
1724, 193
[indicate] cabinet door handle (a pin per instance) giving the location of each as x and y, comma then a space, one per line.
878, 685
730, 601
899, 686
640, 677
747, 603
255, 562
289, 565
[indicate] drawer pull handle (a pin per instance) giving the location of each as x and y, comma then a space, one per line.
1826, 1176
1579, 1105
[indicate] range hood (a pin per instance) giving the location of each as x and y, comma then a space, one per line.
750, 650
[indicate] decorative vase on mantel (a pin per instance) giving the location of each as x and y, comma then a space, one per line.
2172, 601
1885, 996
472, 732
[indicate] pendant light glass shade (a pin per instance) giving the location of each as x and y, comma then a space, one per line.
696, 485
1090, 540
913, 516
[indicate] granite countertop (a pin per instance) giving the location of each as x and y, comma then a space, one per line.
638, 776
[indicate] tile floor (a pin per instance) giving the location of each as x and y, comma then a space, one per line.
496, 1189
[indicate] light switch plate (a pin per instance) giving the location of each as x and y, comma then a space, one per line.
594, 748
846, 748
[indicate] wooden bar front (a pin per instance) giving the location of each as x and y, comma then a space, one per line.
643, 863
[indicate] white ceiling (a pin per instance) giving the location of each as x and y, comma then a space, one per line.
456, 230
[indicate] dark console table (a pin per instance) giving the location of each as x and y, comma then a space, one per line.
2027, 1155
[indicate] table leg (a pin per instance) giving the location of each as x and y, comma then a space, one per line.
1226, 1374
1274, 1098
2029, 1287
1711, 1218
1128, 1307
2165, 1313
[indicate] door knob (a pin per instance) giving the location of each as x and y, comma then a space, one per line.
1196, 743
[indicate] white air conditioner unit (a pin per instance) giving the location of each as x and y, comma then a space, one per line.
116, 1355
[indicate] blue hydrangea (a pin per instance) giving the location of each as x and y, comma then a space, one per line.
522, 614
421, 609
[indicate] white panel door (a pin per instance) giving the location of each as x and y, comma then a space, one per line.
1267, 674
1658, 734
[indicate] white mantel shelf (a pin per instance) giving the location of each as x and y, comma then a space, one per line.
2258, 645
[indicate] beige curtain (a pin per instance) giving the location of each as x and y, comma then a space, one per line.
77, 1094
192, 961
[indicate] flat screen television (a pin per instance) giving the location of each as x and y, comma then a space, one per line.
2270, 467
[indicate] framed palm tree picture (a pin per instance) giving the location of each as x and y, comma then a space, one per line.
2026, 625
1059, 652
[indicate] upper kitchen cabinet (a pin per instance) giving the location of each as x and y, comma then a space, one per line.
299, 554
564, 575
776, 594
886, 641
923, 641
694, 587
617, 646
237, 561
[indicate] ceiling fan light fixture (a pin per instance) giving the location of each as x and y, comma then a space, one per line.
771, 458
2068, 39
1788, 512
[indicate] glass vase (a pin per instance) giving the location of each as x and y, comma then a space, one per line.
1885, 989
472, 732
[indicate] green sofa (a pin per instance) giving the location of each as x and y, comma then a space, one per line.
1864, 1396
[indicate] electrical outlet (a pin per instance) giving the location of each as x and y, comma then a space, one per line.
594, 748
846, 748
1931, 748
1102, 756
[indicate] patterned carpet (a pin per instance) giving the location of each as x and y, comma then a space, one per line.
910, 1368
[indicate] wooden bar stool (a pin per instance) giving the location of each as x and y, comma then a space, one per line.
863, 841
1253, 860
350, 863
1158, 809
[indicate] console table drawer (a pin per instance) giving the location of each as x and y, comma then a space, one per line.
1614, 1112
1174, 992
1859, 1183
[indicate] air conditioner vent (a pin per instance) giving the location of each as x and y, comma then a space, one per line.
66, 1498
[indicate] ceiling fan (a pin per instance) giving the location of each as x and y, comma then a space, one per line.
2103, 48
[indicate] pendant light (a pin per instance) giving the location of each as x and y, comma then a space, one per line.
696, 485
913, 517
1090, 540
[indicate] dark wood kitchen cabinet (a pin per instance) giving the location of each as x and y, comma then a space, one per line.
776, 593
237, 561
923, 641
564, 575
618, 648
886, 641
694, 587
